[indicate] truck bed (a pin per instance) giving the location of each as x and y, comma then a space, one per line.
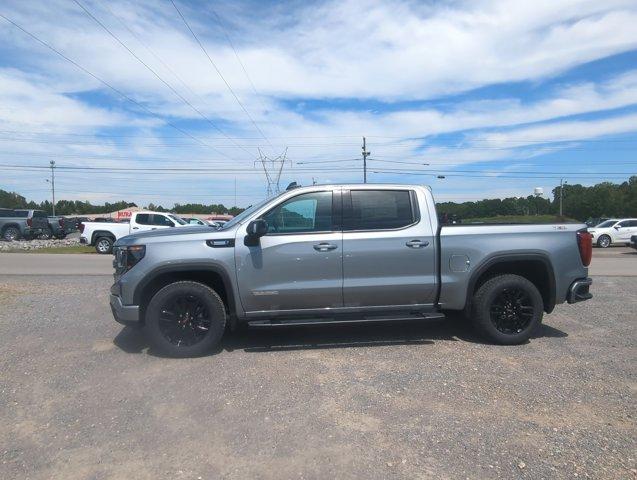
467, 250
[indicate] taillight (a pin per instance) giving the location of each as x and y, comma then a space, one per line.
81, 228
585, 245
30, 222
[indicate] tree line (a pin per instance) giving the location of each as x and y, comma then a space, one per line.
604, 199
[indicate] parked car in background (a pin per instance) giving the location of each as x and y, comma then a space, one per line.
338, 254
194, 221
633, 241
102, 235
614, 231
55, 230
72, 224
216, 223
27, 224
592, 222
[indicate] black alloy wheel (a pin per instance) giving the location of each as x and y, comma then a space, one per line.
512, 311
184, 320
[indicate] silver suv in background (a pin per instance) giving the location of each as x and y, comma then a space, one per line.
344, 254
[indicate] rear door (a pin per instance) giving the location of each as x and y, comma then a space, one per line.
388, 249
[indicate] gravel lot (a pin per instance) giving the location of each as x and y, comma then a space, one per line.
83, 398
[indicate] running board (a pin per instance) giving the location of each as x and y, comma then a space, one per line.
283, 322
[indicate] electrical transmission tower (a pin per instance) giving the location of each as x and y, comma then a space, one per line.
273, 167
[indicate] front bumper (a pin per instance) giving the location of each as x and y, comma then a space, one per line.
124, 314
579, 290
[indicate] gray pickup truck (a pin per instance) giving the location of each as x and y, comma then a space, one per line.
27, 224
343, 254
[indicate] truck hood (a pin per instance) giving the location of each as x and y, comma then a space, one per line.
166, 234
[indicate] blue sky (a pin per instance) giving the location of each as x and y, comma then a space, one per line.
498, 96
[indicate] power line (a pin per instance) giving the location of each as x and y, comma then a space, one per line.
159, 77
103, 82
220, 74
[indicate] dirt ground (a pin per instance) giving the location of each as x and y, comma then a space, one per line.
83, 398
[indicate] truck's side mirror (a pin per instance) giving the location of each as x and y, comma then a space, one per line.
255, 230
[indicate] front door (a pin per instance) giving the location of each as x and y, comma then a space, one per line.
626, 229
388, 249
297, 264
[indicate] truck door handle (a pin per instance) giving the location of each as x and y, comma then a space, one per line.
324, 247
135, 228
417, 243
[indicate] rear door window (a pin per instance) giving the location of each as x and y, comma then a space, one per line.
21, 213
379, 210
143, 219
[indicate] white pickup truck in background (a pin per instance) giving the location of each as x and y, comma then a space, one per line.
102, 235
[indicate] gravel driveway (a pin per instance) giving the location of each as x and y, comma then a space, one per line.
82, 398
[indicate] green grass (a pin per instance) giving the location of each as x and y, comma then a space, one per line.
520, 219
67, 249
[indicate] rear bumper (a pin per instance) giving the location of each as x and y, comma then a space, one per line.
124, 314
83, 240
579, 290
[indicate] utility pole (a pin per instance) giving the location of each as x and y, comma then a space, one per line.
365, 155
52, 163
562, 182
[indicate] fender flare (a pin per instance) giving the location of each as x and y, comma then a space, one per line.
514, 257
186, 268
101, 233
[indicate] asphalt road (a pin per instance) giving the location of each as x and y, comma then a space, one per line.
83, 398
619, 261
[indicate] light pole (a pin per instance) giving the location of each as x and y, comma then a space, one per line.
562, 183
52, 163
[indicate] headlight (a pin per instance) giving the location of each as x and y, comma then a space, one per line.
127, 257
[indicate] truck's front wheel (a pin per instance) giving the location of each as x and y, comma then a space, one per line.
185, 319
507, 309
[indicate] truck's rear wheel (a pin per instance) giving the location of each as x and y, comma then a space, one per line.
10, 234
185, 319
104, 245
507, 309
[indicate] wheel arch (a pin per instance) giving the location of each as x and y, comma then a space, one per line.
101, 233
214, 276
535, 267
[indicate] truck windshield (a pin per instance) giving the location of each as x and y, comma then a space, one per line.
246, 213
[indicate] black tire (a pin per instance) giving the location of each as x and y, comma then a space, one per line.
104, 245
604, 241
46, 234
507, 309
185, 319
11, 233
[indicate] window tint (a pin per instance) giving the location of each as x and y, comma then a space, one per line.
310, 212
632, 223
21, 213
5, 212
162, 220
39, 213
143, 219
379, 210
625, 223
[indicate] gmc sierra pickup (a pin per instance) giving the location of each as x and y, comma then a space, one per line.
342, 254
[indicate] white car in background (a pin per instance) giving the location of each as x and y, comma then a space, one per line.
614, 231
